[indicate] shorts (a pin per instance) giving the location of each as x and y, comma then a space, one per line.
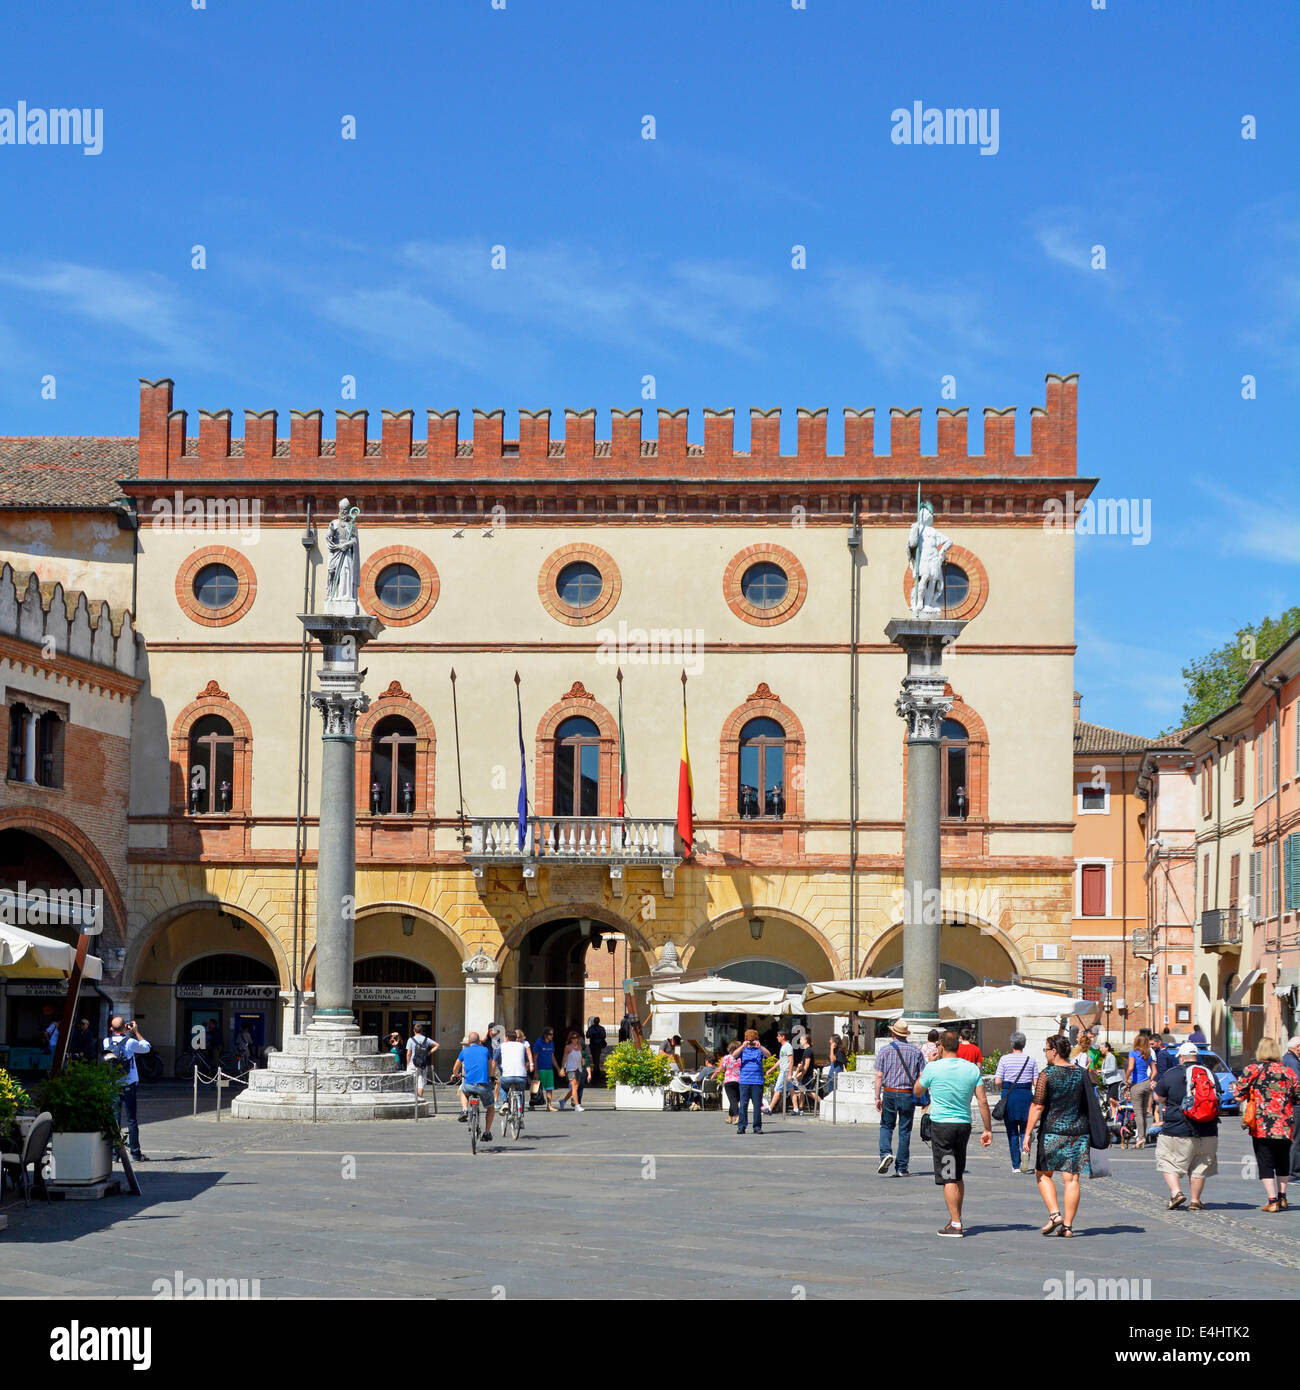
1194, 1158
948, 1144
484, 1092
421, 1074
546, 1075
574, 1073
783, 1083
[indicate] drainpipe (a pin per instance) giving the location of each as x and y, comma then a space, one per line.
855, 553
1275, 684
1218, 740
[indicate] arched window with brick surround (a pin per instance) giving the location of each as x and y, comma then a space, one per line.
212, 757
963, 764
761, 760
576, 757
395, 753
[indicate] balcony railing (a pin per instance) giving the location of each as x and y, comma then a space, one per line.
1221, 926
1142, 944
615, 842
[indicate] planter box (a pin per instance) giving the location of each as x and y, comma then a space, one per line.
638, 1097
81, 1159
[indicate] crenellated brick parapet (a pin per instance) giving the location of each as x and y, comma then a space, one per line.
168, 451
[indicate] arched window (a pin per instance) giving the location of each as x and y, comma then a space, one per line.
392, 767
953, 746
390, 970
762, 770
577, 768
211, 770
226, 968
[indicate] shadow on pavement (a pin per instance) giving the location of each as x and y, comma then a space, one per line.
44, 1223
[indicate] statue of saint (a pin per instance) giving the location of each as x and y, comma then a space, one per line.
344, 550
926, 549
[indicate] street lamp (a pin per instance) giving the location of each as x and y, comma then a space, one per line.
756, 928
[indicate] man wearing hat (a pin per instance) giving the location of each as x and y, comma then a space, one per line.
1186, 1148
898, 1065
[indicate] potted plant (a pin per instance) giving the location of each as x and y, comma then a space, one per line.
82, 1101
13, 1100
637, 1076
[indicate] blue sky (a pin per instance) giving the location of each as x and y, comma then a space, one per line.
625, 257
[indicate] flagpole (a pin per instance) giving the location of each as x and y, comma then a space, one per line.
622, 754
460, 785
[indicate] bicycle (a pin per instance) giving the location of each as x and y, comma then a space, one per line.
514, 1116
475, 1122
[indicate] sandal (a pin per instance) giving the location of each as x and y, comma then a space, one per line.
1053, 1222
1176, 1201
1066, 1231
1196, 1206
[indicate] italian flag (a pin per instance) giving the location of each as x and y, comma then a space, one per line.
685, 787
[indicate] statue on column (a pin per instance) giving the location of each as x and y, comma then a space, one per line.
926, 549
343, 575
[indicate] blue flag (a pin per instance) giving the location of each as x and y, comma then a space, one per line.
523, 771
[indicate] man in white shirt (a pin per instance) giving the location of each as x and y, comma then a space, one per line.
123, 1043
419, 1057
516, 1064
785, 1060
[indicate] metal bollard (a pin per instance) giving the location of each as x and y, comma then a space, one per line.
220, 1074
196, 1093
315, 1076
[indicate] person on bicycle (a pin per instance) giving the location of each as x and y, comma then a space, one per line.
516, 1064
475, 1068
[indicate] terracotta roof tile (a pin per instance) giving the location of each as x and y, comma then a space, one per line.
74, 471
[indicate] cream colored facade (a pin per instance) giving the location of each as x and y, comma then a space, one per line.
488, 622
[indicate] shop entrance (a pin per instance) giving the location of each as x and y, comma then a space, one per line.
391, 994
226, 1009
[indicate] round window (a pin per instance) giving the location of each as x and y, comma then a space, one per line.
398, 586
956, 585
216, 586
764, 584
579, 584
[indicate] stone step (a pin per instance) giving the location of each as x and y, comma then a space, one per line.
328, 1045
330, 1062
332, 1084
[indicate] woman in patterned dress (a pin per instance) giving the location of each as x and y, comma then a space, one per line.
1276, 1094
1059, 1113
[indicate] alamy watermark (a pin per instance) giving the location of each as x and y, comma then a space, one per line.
178, 1286
657, 646
58, 125
949, 125
182, 512
1096, 1290
43, 907
1100, 516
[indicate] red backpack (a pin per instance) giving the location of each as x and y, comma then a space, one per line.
1201, 1102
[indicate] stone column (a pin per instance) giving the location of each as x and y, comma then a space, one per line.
481, 973
29, 748
924, 705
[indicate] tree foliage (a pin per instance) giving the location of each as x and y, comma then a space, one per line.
1214, 680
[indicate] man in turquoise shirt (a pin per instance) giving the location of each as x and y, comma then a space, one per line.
951, 1082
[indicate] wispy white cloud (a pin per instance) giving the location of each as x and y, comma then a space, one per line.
144, 304
1270, 531
1143, 677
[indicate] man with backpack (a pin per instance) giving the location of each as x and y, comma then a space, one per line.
1188, 1146
419, 1057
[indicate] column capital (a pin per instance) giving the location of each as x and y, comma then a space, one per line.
340, 712
925, 705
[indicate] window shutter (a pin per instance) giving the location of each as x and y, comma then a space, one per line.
1234, 880
1093, 893
1254, 904
1239, 769
1205, 885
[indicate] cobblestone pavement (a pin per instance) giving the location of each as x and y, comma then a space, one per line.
614, 1205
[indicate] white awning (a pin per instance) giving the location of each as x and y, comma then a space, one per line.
1015, 1001
713, 994
853, 996
24, 955
1237, 999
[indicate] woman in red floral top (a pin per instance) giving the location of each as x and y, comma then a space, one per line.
1276, 1094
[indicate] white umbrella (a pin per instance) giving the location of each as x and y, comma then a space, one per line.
853, 996
25, 955
1016, 1001
713, 994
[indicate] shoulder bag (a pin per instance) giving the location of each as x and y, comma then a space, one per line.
1098, 1129
1249, 1108
1000, 1109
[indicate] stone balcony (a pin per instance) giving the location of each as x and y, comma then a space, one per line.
1142, 944
612, 842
